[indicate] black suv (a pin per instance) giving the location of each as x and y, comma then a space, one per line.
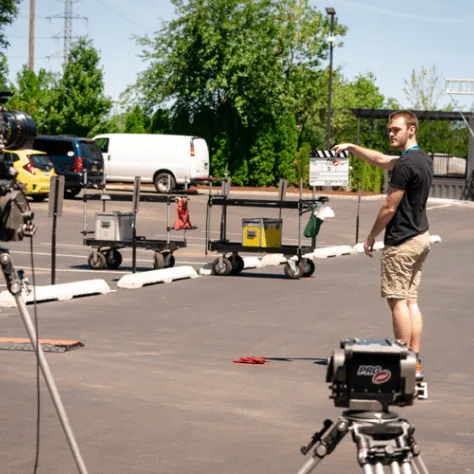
71, 156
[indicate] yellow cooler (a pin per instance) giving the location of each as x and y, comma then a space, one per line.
261, 232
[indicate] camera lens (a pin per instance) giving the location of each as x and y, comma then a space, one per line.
19, 130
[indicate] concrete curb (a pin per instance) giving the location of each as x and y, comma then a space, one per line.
206, 270
328, 252
60, 292
236, 191
249, 262
166, 275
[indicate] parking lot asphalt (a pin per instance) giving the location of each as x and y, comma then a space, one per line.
154, 389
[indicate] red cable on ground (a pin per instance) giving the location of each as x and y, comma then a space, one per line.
251, 360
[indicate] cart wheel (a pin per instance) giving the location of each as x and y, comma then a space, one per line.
158, 261
294, 275
237, 263
169, 260
222, 269
114, 259
97, 260
309, 267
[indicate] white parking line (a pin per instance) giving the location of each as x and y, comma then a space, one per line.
85, 257
78, 270
73, 270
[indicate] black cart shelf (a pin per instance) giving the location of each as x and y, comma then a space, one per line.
296, 264
107, 253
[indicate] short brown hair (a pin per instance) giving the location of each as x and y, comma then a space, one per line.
410, 118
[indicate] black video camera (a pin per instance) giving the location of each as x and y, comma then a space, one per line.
371, 374
17, 132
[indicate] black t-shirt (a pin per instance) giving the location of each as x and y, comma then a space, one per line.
413, 173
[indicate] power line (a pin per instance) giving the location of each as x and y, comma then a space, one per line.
122, 15
26, 36
150, 2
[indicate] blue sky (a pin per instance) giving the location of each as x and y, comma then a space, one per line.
387, 38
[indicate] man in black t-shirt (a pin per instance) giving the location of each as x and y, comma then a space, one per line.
403, 216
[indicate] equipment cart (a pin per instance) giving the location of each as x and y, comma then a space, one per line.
260, 237
116, 230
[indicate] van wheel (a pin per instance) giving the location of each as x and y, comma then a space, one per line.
163, 180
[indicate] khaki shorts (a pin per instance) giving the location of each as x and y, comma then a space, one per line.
401, 267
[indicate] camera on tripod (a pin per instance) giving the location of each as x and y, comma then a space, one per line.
17, 132
367, 376
371, 374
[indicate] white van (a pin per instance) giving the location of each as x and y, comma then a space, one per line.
160, 159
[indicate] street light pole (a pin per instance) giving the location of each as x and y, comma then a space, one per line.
331, 12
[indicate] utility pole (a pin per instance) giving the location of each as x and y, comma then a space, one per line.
31, 43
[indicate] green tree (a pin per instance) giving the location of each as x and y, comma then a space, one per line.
112, 124
362, 92
231, 69
160, 121
78, 103
423, 91
32, 93
136, 121
8, 13
286, 145
4, 83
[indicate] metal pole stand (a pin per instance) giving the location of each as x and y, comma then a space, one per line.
15, 287
383, 440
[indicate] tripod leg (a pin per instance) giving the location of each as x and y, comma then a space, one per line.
379, 468
406, 468
309, 465
395, 468
419, 463
415, 467
325, 446
368, 469
15, 289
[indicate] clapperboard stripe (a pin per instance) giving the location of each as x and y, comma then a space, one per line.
328, 154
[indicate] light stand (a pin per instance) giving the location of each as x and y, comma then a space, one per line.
331, 40
15, 287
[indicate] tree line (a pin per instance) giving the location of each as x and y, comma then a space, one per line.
249, 76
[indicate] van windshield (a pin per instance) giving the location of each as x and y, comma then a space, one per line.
103, 144
90, 151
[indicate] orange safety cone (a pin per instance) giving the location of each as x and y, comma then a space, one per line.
182, 220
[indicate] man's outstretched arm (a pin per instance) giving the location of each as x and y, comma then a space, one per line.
370, 156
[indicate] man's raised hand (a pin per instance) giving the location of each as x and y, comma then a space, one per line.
342, 147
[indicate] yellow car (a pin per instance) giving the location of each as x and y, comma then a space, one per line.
34, 171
